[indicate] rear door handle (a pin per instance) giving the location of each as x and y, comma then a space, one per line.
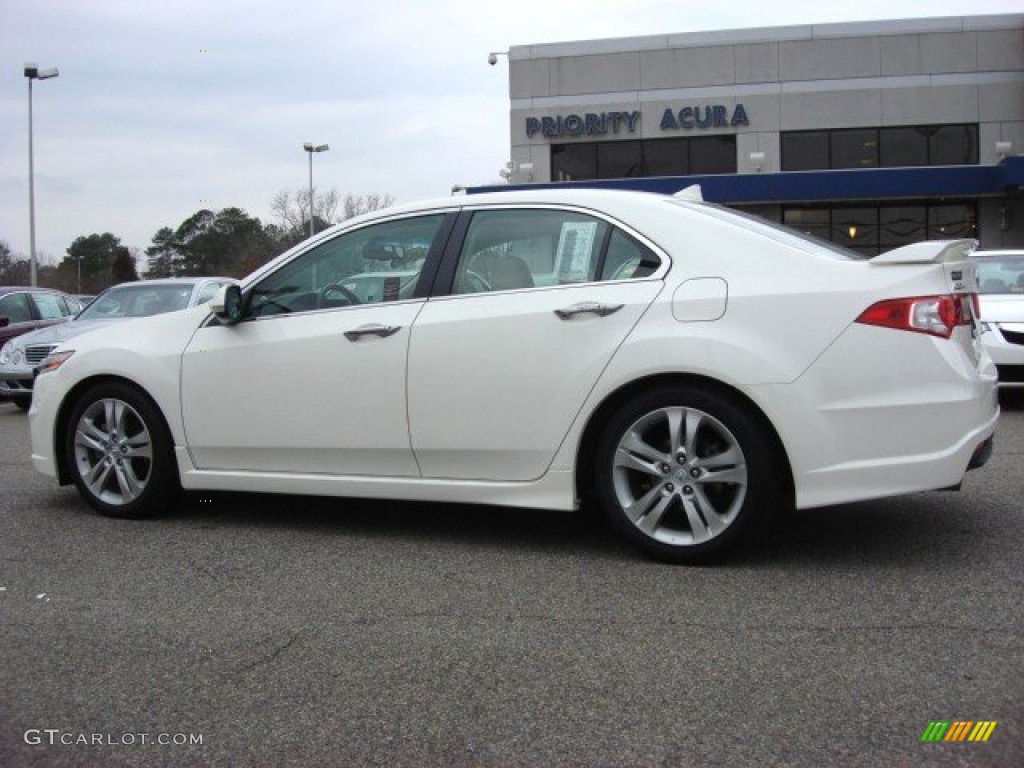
588, 308
381, 331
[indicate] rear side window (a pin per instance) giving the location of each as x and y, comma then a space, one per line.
50, 306
516, 249
628, 259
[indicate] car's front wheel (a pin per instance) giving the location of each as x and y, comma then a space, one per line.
120, 454
687, 473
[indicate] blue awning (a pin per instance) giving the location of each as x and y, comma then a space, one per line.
824, 186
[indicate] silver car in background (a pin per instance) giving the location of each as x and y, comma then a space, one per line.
1001, 282
20, 355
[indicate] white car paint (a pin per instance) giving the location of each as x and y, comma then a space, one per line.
486, 397
1002, 313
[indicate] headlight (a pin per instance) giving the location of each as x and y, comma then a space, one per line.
11, 354
53, 362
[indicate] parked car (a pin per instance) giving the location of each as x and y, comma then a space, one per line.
24, 309
687, 369
19, 356
1001, 280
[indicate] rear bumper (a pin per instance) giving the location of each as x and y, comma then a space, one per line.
982, 454
896, 413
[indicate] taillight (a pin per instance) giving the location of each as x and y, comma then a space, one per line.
934, 315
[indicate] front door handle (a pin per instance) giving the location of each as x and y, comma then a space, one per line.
588, 308
381, 331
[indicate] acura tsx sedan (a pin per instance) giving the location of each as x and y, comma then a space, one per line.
684, 369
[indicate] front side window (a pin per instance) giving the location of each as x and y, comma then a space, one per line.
516, 249
15, 307
370, 265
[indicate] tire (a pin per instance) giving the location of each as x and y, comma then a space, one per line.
687, 474
119, 452
24, 403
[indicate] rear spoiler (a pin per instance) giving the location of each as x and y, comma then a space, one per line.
928, 252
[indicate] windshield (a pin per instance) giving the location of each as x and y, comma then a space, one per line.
1001, 274
137, 300
782, 233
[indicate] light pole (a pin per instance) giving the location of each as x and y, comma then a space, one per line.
311, 149
33, 72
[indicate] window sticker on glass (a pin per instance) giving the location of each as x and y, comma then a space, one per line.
575, 245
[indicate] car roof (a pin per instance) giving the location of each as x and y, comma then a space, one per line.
4, 289
582, 196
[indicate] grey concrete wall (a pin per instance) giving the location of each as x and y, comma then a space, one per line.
908, 72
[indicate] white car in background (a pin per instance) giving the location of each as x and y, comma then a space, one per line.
1001, 281
687, 369
20, 355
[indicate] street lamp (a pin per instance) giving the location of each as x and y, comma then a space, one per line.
33, 72
311, 149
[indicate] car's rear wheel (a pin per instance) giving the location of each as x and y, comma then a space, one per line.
686, 473
119, 451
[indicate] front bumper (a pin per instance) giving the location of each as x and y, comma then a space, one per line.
16, 380
1004, 343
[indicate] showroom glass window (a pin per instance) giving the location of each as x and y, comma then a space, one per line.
643, 158
891, 147
372, 264
518, 249
871, 230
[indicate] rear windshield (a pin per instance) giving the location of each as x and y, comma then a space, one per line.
781, 233
1000, 275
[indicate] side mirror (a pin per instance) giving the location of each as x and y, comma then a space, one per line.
226, 304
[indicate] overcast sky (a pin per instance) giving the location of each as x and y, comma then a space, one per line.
163, 108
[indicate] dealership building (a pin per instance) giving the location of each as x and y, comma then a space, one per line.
871, 134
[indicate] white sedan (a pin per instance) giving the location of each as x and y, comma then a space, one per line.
1001, 278
686, 369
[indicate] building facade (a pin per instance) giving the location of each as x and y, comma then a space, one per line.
872, 134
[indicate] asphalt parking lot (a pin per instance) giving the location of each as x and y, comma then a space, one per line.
246, 630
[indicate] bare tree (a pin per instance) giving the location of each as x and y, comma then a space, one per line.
356, 205
293, 209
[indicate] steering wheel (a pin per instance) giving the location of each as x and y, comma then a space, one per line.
473, 283
323, 299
